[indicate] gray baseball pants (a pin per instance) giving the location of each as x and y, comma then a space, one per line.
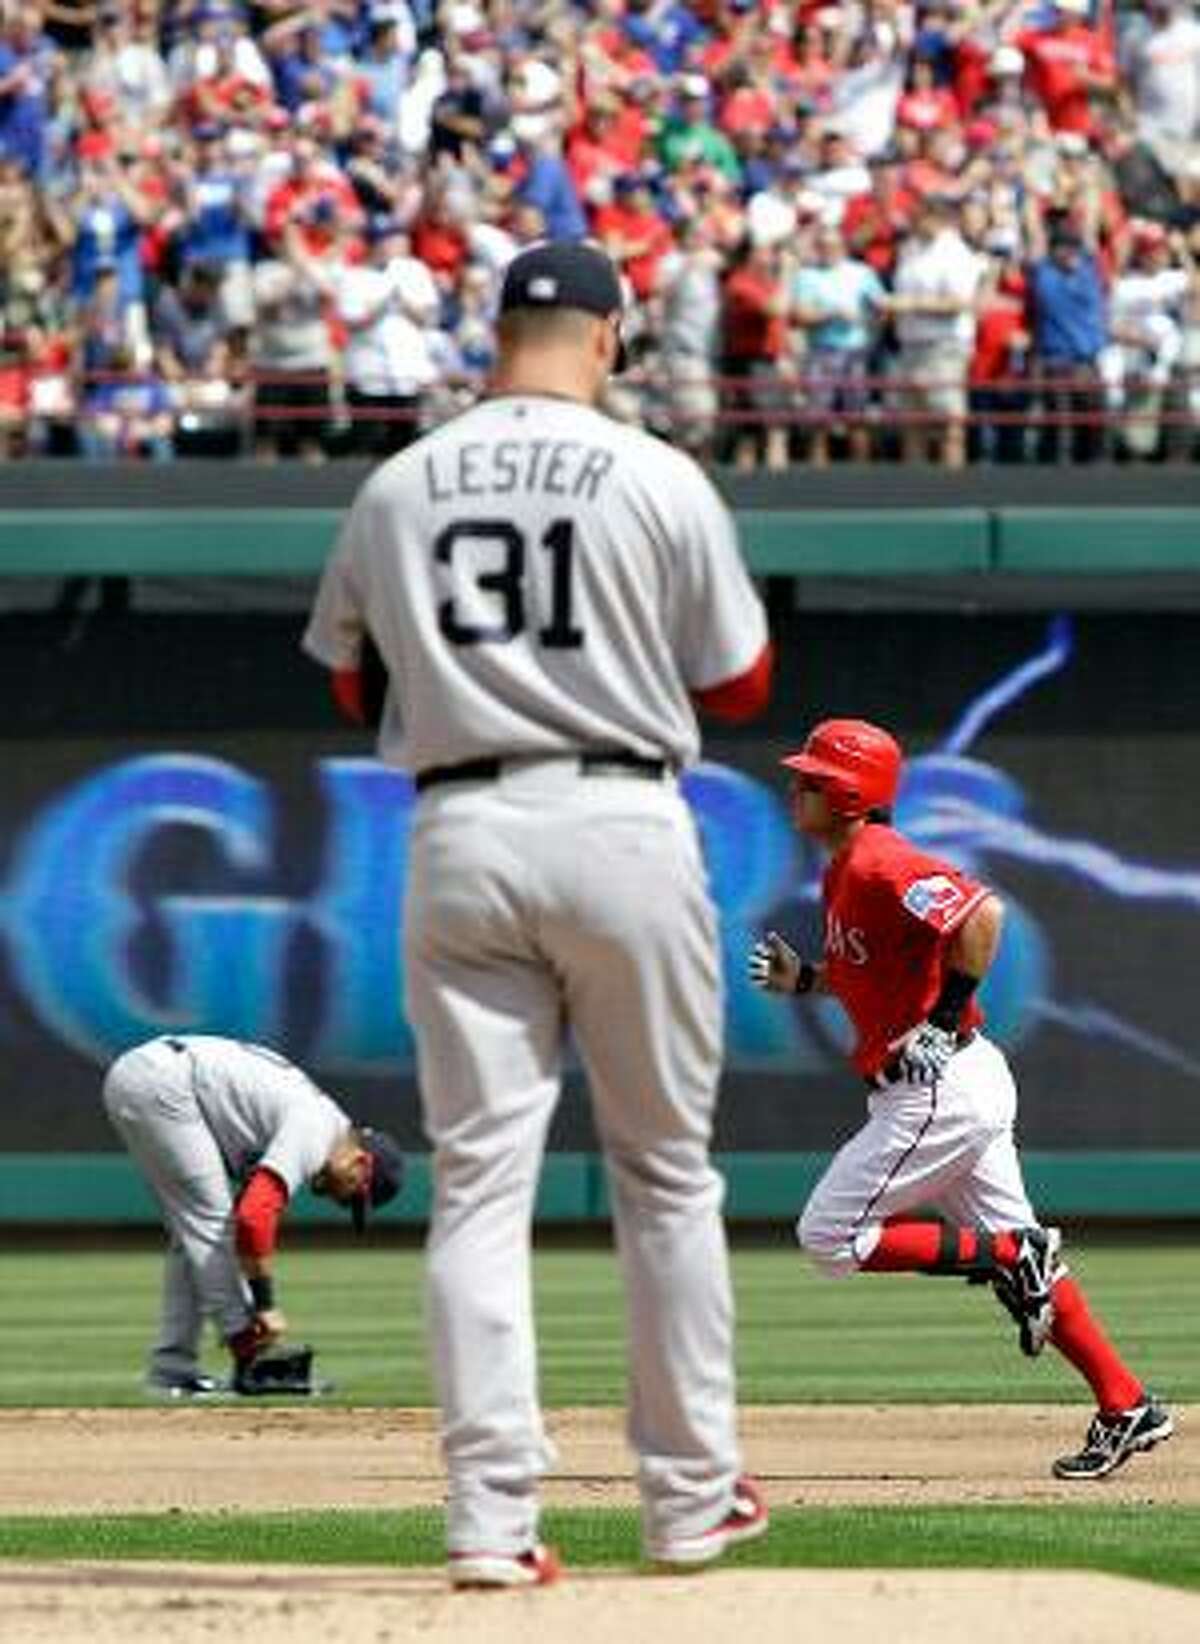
543, 901
149, 1098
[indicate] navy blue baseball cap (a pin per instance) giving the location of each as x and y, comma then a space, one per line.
564, 274
386, 1178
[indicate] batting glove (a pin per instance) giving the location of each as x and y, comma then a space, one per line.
925, 1056
774, 964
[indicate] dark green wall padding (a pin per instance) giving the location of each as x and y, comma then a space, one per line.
63, 1188
778, 542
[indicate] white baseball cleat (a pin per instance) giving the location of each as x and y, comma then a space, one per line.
187, 1385
536, 1568
746, 1520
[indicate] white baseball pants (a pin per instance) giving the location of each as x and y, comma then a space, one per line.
948, 1146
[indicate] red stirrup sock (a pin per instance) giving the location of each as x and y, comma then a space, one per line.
931, 1247
1082, 1343
906, 1247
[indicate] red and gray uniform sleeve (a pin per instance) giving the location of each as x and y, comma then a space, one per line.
717, 621
337, 633
744, 697
257, 1213
337, 623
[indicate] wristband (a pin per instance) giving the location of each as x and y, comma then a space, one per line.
806, 977
952, 1000
262, 1292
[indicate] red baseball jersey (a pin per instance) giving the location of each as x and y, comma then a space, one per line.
889, 912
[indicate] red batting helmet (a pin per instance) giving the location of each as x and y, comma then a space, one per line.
856, 763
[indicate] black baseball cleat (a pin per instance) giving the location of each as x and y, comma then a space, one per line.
1111, 1440
1026, 1290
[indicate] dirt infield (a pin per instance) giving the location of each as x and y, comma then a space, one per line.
280, 1605
230, 1457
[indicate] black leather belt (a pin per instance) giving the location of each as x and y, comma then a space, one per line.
594, 762
891, 1071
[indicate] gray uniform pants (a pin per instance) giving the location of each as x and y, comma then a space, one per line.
149, 1098
544, 900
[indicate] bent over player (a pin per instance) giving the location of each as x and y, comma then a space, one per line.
200, 1113
908, 939
552, 594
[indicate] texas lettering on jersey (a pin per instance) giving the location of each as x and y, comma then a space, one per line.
850, 945
889, 912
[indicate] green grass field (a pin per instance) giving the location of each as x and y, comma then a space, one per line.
78, 1320
78, 1323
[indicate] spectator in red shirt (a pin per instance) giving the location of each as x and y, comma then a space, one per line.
608, 139
751, 99
1066, 64
226, 94
925, 105
874, 223
811, 75
439, 235
936, 165
754, 342
312, 178
997, 365
970, 69
99, 126
634, 232
608, 57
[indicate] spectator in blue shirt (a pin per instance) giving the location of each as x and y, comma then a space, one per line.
382, 67
26, 62
1070, 328
129, 417
216, 229
839, 301
300, 67
106, 232
665, 29
547, 184
109, 216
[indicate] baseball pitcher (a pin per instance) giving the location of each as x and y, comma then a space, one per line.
207, 1118
552, 595
908, 940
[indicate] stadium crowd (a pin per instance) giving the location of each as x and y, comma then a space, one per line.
955, 229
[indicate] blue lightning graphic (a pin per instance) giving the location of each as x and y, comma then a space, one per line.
966, 806
1059, 645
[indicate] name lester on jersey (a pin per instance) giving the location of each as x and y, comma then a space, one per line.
558, 468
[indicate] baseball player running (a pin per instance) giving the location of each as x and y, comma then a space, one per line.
552, 594
908, 939
199, 1113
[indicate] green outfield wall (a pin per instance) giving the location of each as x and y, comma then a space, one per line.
220, 541
105, 1188
917, 613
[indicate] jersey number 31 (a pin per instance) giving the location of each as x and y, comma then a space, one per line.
505, 583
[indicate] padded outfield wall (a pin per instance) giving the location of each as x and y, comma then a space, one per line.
188, 839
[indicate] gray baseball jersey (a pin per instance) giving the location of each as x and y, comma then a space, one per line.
261, 1109
198, 1112
539, 578
543, 583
